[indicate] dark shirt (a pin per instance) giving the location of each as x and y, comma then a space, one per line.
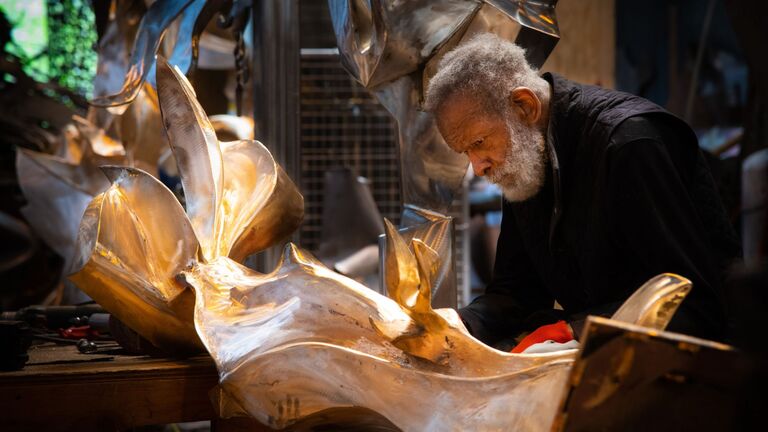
628, 196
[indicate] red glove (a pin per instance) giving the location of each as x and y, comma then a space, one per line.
558, 332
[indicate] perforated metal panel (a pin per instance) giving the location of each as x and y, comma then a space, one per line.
342, 125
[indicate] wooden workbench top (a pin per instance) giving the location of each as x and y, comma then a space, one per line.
62, 389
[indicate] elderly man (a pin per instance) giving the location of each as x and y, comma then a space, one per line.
602, 191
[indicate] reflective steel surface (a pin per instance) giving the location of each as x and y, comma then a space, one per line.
133, 240
435, 231
152, 28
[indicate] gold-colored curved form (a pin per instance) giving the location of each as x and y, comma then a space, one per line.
655, 303
303, 339
134, 239
234, 214
197, 153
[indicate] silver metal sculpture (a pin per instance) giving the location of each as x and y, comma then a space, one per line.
152, 28
393, 48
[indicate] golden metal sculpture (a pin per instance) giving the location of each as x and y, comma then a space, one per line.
58, 186
304, 339
135, 237
301, 339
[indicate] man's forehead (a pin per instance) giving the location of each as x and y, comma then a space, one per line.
457, 114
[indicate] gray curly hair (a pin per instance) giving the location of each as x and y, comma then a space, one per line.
487, 67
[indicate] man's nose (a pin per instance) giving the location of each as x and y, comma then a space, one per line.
479, 165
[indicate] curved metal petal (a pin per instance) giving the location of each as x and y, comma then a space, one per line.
436, 231
197, 153
401, 276
115, 46
57, 194
538, 15
100, 144
655, 303
260, 205
133, 240
154, 23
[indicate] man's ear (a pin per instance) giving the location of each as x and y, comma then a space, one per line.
526, 104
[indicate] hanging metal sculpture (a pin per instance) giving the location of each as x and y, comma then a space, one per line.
172, 28
393, 48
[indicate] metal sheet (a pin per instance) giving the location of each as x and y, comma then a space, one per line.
437, 232
57, 194
654, 304
149, 35
393, 48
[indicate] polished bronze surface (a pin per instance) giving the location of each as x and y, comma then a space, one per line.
303, 339
135, 238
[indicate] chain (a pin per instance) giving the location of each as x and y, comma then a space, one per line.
241, 67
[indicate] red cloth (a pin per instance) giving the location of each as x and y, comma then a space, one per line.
558, 332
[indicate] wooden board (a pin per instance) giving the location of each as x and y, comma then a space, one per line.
632, 378
62, 389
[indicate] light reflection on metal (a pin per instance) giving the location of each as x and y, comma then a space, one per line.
436, 232
133, 240
655, 303
153, 26
59, 186
135, 237
303, 339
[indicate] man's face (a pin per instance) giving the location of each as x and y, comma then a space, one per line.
499, 145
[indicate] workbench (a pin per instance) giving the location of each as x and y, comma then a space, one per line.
63, 389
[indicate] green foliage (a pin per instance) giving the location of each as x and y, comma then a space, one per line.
72, 44
55, 40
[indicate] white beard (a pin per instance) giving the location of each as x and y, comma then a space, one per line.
522, 174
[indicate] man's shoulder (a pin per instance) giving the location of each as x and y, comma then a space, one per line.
658, 127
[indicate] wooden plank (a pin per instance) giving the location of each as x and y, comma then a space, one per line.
62, 389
